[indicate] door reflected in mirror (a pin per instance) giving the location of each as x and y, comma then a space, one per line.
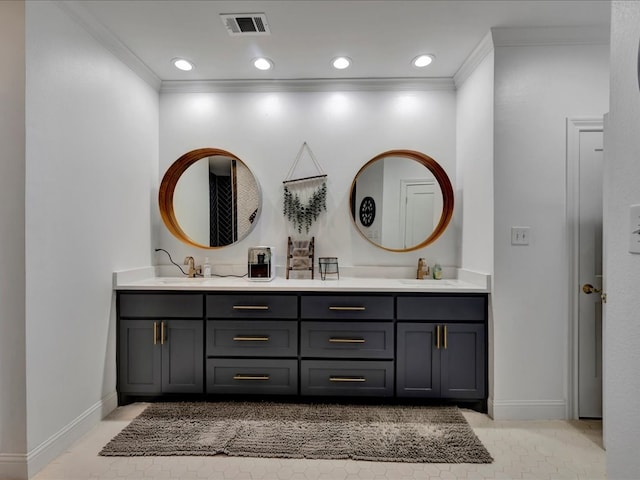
209, 198
411, 196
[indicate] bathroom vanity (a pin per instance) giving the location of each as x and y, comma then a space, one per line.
354, 337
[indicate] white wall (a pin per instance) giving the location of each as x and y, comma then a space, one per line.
536, 88
343, 129
474, 146
13, 432
474, 142
622, 269
91, 164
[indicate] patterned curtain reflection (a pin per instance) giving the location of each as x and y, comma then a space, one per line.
224, 229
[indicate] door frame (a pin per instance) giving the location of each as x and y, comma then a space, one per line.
574, 127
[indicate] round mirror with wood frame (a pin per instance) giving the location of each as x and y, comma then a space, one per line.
413, 200
209, 198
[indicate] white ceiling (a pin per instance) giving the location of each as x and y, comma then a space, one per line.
380, 36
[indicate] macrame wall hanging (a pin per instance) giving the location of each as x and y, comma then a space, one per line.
304, 198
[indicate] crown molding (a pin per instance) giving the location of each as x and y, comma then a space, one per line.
540, 36
308, 85
79, 13
529, 36
477, 55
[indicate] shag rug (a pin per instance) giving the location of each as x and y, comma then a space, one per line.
389, 433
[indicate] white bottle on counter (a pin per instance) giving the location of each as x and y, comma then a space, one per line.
206, 268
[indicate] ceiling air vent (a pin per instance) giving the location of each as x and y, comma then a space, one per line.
245, 23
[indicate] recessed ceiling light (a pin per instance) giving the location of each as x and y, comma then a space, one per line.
341, 62
263, 63
422, 60
182, 64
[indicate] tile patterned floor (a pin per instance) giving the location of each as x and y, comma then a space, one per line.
546, 450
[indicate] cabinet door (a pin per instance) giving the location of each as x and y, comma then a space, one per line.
182, 356
463, 361
417, 360
139, 357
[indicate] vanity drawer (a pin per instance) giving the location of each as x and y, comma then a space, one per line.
252, 338
443, 308
248, 376
252, 306
347, 307
346, 377
347, 339
165, 305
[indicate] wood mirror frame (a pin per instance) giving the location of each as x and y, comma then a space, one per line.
445, 188
168, 186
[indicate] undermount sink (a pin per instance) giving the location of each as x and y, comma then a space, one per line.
172, 280
427, 282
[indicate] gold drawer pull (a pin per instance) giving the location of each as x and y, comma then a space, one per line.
251, 339
347, 379
348, 309
346, 340
438, 337
251, 307
155, 333
250, 377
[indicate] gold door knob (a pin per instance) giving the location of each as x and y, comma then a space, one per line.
588, 288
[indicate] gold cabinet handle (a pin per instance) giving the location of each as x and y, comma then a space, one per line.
162, 333
250, 377
445, 336
348, 309
251, 339
438, 337
251, 307
155, 333
346, 340
347, 379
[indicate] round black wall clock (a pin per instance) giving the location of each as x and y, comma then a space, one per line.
367, 211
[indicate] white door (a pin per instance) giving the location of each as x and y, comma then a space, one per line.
418, 202
590, 274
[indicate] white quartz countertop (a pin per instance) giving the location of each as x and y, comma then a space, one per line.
126, 281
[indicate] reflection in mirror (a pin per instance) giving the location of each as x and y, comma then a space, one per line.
209, 198
401, 200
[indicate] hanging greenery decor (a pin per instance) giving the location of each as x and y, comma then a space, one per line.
302, 215
304, 198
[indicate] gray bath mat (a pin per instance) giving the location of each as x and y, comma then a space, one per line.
389, 433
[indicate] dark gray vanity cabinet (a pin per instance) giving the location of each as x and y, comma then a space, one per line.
313, 344
160, 344
441, 347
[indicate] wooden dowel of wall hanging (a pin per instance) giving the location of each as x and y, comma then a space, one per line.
303, 179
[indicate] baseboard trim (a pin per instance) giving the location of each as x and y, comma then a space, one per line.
13, 466
527, 409
55, 445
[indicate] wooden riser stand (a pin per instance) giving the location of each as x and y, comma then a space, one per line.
300, 256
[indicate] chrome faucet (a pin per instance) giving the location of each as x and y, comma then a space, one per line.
192, 267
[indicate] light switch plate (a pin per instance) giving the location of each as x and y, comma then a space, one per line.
634, 229
520, 235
